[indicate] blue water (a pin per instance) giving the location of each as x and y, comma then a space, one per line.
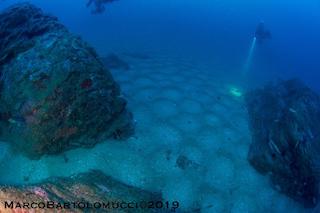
198, 51
219, 30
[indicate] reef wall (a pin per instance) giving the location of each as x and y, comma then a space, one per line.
55, 93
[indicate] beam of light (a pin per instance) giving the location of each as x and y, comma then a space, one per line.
249, 59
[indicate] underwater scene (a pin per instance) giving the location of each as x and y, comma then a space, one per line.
205, 106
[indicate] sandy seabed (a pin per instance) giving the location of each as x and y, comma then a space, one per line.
181, 108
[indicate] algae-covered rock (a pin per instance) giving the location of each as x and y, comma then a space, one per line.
285, 126
55, 92
87, 192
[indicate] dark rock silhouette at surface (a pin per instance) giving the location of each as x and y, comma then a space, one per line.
285, 125
55, 92
98, 5
91, 187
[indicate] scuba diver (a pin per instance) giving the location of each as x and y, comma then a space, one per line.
99, 5
261, 33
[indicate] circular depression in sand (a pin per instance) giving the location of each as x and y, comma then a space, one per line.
191, 106
174, 94
164, 108
188, 123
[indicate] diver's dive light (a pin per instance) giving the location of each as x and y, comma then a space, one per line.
249, 59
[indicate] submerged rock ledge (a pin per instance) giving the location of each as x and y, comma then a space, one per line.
93, 189
55, 93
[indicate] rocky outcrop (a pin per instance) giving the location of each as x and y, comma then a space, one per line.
87, 192
285, 126
55, 92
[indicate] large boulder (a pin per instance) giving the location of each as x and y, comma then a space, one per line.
87, 192
55, 92
285, 125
